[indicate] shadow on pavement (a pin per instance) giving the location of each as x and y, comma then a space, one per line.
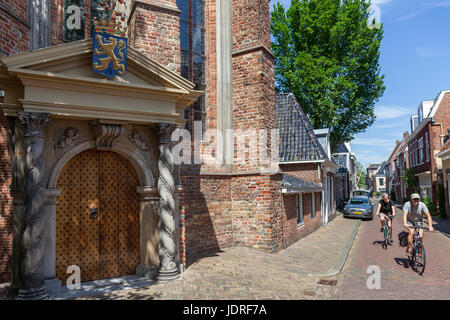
402, 262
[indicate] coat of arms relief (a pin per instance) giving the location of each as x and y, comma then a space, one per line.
109, 50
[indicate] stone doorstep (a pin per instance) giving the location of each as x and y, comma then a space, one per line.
96, 287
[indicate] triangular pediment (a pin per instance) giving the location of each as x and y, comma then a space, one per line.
59, 80
75, 60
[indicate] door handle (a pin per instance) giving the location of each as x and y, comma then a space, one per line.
94, 213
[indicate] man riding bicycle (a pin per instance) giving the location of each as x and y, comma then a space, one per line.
413, 212
386, 210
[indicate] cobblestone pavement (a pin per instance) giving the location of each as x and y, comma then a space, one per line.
242, 273
397, 280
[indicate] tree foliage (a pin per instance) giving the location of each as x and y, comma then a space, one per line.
361, 175
328, 57
412, 181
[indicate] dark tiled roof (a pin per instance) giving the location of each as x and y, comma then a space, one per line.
297, 139
342, 148
294, 184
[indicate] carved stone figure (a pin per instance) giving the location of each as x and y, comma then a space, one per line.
138, 141
70, 135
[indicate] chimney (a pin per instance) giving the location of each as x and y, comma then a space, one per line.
405, 135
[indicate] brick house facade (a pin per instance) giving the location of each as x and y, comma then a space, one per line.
427, 140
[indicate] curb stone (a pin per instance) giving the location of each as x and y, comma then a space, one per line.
343, 256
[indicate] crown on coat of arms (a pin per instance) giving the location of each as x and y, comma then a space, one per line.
111, 27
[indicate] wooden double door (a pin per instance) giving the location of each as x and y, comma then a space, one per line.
97, 217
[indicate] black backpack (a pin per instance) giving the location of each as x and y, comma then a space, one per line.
403, 238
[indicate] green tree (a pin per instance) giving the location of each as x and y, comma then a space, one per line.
329, 58
412, 181
361, 175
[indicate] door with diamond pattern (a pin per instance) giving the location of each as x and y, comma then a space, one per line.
106, 244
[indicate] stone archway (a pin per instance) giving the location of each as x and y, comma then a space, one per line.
147, 207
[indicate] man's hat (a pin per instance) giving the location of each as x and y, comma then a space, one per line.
415, 196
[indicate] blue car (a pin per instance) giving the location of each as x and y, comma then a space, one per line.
359, 207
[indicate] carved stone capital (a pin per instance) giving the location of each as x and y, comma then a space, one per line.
165, 131
33, 123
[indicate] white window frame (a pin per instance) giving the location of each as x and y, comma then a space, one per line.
427, 147
299, 210
420, 149
313, 205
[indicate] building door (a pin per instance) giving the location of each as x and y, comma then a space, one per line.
97, 217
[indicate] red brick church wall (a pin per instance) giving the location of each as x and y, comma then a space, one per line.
14, 38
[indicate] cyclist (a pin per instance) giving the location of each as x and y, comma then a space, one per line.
386, 210
413, 212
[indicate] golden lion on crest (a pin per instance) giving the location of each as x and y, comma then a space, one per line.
107, 48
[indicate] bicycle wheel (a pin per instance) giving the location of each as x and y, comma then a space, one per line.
386, 238
420, 260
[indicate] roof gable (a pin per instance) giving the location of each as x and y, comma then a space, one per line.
297, 139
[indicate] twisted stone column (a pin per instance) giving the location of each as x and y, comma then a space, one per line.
32, 245
167, 206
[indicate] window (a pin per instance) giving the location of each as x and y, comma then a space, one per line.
427, 148
381, 181
359, 201
299, 210
420, 150
192, 38
313, 206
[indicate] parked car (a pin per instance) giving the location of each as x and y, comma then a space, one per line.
359, 207
363, 193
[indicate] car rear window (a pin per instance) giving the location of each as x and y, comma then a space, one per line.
358, 201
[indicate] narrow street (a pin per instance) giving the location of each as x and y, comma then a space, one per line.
398, 281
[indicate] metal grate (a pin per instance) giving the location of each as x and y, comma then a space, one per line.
327, 282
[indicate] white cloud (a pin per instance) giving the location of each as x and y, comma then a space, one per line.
385, 126
375, 142
377, 2
432, 53
391, 112
425, 7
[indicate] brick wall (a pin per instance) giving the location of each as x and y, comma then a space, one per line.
208, 225
293, 232
305, 171
14, 29
156, 32
14, 38
6, 204
256, 211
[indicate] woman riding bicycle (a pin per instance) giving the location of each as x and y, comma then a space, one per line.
386, 210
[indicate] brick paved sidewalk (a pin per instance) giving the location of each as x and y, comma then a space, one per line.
243, 273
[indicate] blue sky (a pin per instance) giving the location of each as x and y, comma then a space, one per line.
415, 58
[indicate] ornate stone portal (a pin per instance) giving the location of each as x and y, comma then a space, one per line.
32, 246
167, 205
